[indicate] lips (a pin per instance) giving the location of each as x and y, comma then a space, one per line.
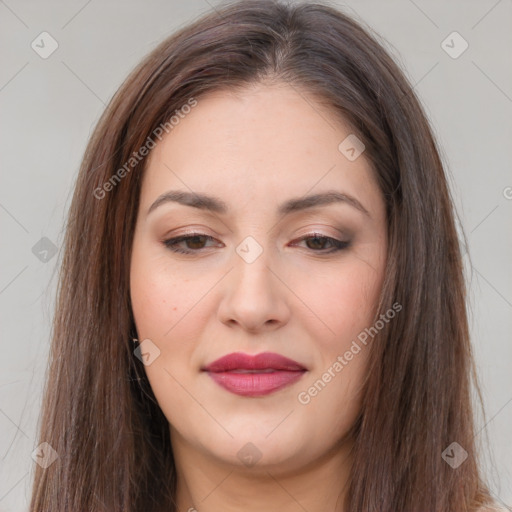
257, 375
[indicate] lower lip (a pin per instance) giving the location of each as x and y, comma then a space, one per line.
255, 384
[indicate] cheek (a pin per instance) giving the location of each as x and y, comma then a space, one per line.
348, 299
333, 389
160, 295
160, 311
343, 300
168, 310
152, 303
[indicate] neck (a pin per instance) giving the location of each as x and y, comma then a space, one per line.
206, 484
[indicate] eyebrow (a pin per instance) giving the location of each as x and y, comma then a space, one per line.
216, 205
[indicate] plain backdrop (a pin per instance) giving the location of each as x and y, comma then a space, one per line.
50, 105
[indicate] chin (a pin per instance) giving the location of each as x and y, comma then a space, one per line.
253, 449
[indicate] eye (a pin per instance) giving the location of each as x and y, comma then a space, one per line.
194, 242
318, 242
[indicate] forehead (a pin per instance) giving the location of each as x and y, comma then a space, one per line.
262, 143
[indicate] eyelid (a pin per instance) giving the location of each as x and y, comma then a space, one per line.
327, 231
171, 243
309, 234
191, 234
337, 244
317, 234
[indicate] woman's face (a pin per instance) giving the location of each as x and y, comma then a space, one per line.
265, 270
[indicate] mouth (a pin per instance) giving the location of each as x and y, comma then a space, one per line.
253, 376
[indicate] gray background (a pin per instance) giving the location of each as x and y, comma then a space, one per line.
48, 110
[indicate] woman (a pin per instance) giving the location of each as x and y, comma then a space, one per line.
261, 302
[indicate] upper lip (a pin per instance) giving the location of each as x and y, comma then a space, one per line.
262, 361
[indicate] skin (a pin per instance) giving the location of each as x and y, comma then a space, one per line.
254, 150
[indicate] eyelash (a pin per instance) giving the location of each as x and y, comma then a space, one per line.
339, 245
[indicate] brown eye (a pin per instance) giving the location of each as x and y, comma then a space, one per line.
194, 242
324, 244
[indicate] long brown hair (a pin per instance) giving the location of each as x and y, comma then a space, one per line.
99, 413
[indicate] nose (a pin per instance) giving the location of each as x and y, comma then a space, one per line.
254, 297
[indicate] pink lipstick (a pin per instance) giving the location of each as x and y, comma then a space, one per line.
253, 376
